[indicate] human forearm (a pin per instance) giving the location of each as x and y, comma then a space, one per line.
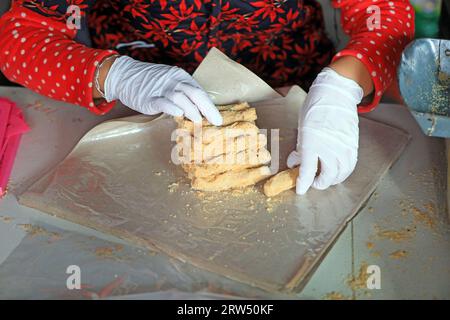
378, 33
41, 54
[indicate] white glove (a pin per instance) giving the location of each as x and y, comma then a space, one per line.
154, 88
327, 132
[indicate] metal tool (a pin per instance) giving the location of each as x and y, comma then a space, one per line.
424, 81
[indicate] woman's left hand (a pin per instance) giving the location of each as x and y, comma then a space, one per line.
328, 132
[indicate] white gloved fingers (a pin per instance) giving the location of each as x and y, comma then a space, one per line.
203, 102
345, 170
189, 108
160, 104
328, 173
293, 159
307, 173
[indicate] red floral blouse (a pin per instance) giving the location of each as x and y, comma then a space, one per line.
282, 41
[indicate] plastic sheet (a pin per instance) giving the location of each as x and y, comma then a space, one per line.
120, 180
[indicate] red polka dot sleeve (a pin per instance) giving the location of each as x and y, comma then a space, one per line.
41, 54
379, 30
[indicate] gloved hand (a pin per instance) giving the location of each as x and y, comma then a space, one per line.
328, 132
153, 88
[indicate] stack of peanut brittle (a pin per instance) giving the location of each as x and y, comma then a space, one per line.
231, 156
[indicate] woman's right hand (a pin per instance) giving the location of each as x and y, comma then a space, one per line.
154, 88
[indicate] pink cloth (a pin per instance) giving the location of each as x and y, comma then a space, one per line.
12, 126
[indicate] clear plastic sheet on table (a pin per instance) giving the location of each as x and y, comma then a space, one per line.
120, 180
